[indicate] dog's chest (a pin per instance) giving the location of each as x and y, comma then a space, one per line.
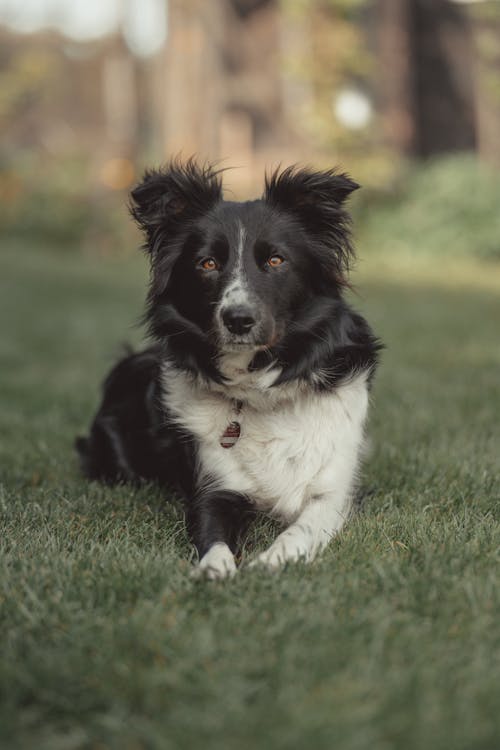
281, 456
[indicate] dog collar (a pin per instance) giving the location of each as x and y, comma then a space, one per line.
233, 430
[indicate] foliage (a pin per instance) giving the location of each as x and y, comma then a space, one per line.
59, 202
329, 49
389, 641
486, 19
29, 77
447, 207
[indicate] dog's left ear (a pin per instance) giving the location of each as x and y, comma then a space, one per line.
168, 198
316, 200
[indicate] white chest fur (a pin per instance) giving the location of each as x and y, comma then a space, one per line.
294, 445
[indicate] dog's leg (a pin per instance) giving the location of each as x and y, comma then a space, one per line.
329, 498
318, 523
215, 522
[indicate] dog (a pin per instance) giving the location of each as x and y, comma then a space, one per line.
254, 394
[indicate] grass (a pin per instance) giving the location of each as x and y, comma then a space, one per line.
389, 640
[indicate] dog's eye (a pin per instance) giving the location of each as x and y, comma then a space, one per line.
209, 264
275, 260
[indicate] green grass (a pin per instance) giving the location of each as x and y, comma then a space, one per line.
389, 640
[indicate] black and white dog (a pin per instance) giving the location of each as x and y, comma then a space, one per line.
255, 394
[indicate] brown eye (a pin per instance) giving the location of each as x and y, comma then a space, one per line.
275, 260
209, 264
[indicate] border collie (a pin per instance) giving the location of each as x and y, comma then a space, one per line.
255, 392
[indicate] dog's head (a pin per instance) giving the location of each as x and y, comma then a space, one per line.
232, 276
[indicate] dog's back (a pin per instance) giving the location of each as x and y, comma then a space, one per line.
130, 439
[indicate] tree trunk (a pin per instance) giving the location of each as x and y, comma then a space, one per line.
426, 60
443, 61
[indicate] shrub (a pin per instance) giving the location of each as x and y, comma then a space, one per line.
59, 202
445, 207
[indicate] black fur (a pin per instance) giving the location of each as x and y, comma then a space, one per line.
131, 437
218, 516
300, 319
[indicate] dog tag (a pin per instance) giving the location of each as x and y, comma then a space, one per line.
230, 435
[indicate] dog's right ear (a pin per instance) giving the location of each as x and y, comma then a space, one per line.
168, 198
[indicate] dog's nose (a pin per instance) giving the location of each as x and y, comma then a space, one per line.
238, 320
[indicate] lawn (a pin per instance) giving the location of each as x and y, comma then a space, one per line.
390, 640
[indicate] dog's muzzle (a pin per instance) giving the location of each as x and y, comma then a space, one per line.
240, 328
238, 320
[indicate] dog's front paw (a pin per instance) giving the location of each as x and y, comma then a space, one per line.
216, 564
284, 549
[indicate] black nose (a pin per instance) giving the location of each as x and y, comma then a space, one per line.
238, 320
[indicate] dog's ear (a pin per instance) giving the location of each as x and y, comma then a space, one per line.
316, 200
168, 198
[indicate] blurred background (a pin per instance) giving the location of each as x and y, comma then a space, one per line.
391, 640
404, 94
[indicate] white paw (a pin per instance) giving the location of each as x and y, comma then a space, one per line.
216, 564
283, 550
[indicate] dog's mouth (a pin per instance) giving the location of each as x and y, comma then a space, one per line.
238, 346
250, 342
